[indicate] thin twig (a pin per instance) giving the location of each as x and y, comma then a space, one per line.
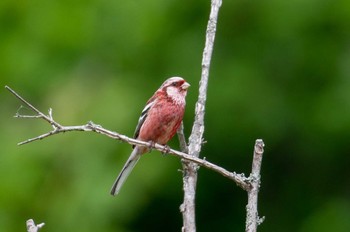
195, 142
27, 116
33, 108
252, 219
91, 127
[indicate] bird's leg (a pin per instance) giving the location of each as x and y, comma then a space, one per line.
165, 150
152, 145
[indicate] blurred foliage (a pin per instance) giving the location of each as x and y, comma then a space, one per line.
280, 71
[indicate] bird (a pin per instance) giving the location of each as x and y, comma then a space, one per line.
158, 123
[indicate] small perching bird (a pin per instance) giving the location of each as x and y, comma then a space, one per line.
158, 122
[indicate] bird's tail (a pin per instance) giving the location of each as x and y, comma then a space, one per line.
128, 167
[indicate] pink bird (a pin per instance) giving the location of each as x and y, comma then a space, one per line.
158, 122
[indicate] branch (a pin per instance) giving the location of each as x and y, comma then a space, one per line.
253, 220
40, 115
57, 128
31, 227
196, 139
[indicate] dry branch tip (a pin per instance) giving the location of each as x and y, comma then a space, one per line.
31, 227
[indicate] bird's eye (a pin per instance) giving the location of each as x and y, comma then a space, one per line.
174, 84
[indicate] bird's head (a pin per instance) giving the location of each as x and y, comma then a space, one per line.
175, 88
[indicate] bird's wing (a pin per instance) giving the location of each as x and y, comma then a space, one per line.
143, 117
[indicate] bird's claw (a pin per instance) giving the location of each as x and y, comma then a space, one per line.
165, 150
152, 145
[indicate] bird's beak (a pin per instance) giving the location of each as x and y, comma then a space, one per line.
185, 85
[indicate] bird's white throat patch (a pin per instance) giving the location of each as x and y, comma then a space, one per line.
177, 96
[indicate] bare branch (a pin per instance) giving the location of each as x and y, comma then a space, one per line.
91, 127
31, 227
40, 137
195, 142
17, 115
253, 220
196, 137
33, 108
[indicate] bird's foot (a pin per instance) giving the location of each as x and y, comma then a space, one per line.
165, 150
152, 145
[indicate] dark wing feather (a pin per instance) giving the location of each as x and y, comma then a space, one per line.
143, 117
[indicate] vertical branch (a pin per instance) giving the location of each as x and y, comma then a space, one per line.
253, 220
195, 142
188, 206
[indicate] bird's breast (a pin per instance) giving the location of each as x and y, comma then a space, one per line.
161, 123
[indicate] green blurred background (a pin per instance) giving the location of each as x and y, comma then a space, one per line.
280, 71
